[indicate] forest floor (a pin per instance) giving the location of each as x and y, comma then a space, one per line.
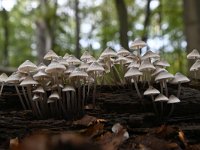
115, 104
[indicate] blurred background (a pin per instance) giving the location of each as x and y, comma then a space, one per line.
28, 28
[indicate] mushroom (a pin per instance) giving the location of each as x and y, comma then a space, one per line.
86, 56
134, 73
163, 77
161, 98
172, 100
138, 44
14, 79
195, 67
3, 78
178, 79
194, 54
53, 98
50, 55
95, 69
152, 91
123, 52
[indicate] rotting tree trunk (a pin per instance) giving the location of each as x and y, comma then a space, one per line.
77, 31
123, 22
6, 37
192, 25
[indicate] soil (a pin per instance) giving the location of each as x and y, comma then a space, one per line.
116, 104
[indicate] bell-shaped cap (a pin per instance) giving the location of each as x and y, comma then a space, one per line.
179, 78
137, 44
13, 78
123, 52
86, 55
133, 72
108, 52
161, 63
173, 99
164, 76
41, 66
54, 96
157, 71
149, 54
36, 97
68, 88
62, 61
161, 97
69, 69
195, 66
3, 78
84, 66
120, 59
78, 73
146, 66
66, 56
50, 55
151, 91
95, 67
27, 67
194, 54
41, 74
73, 60
91, 60
28, 81
39, 89
55, 67
134, 64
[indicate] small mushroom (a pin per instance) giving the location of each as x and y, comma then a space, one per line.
194, 54
86, 56
172, 100
138, 44
134, 73
50, 55
123, 52
178, 79
3, 78
161, 98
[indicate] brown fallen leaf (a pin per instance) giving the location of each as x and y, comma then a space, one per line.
14, 144
85, 121
94, 130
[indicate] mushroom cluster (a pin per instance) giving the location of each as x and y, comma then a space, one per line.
62, 87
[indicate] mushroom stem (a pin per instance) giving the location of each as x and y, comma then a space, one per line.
68, 101
83, 95
179, 90
154, 105
94, 90
137, 89
1, 88
161, 87
26, 98
171, 110
166, 89
161, 109
20, 97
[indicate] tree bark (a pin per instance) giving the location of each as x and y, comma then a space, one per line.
6, 37
123, 22
192, 25
77, 31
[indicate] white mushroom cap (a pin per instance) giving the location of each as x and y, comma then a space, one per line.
194, 54
108, 52
95, 66
28, 81
195, 66
54, 96
133, 72
70, 68
123, 52
146, 66
73, 60
151, 91
137, 44
62, 61
179, 78
91, 60
132, 56
50, 55
27, 67
66, 56
150, 54
84, 66
134, 64
36, 97
161, 63
157, 71
164, 76
120, 59
13, 78
86, 55
55, 67
78, 73
41, 66
161, 97
39, 89
68, 88
3, 77
173, 99
40, 74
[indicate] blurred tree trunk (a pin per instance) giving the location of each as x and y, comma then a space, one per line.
123, 22
192, 24
77, 31
146, 21
6, 37
46, 25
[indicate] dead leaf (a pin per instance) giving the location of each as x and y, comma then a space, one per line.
85, 120
94, 130
14, 144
